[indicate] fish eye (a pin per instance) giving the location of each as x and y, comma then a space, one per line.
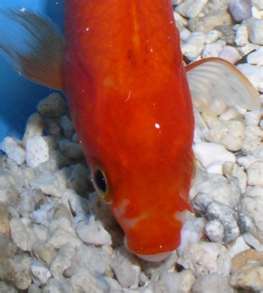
100, 181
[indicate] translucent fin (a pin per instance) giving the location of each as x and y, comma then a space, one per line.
42, 60
214, 80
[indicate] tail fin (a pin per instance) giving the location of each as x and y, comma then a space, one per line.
43, 59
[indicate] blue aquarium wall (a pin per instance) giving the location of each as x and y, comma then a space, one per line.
19, 97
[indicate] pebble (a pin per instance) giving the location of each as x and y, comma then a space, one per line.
21, 234
215, 231
215, 188
194, 45
67, 126
217, 211
191, 8
57, 237
52, 106
53, 184
212, 283
70, 149
230, 134
241, 36
251, 206
255, 58
40, 272
255, 30
34, 127
92, 232
57, 286
127, 272
4, 220
247, 270
240, 9
4, 288
178, 282
258, 3
214, 49
208, 153
205, 258
230, 54
37, 151
237, 246
14, 150
255, 173
62, 261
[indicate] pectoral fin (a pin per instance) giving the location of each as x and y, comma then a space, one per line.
214, 79
43, 59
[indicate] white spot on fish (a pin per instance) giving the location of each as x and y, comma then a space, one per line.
157, 125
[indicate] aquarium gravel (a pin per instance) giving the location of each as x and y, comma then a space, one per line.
57, 235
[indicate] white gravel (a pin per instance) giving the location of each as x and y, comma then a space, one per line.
57, 236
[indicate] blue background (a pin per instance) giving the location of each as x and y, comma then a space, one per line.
19, 97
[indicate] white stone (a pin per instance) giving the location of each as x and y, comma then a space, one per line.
184, 34
241, 37
234, 170
127, 273
83, 281
43, 215
230, 54
62, 261
255, 173
178, 282
255, 30
209, 153
191, 8
37, 151
239, 245
193, 46
58, 286
40, 272
213, 49
240, 9
212, 36
34, 126
212, 283
253, 73
191, 232
205, 258
215, 188
13, 150
21, 234
256, 57
252, 140
252, 206
215, 231
252, 118
92, 232
94, 259
51, 183
231, 134
258, 3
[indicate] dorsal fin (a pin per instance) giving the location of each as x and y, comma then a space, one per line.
43, 59
212, 79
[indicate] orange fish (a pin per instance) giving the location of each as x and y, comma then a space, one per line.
121, 68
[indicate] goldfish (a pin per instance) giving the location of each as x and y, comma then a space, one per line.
132, 103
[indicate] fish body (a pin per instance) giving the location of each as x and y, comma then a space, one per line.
120, 65
132, 109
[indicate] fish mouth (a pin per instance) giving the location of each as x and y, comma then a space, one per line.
156, 257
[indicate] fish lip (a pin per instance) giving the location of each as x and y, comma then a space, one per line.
156, 257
